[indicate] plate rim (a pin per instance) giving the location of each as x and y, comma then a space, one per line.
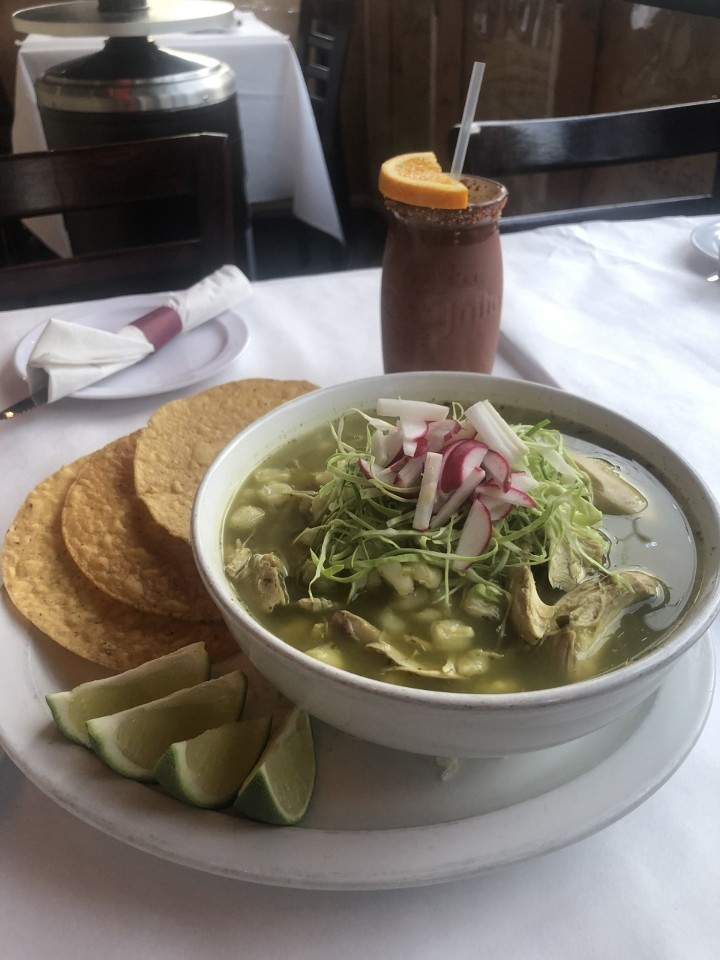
698, 240
371, 859
237, 336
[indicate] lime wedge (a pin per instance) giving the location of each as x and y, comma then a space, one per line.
208, 770
279, 788
71, 709
131, 742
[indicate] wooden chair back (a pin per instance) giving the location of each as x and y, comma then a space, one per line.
703, 8
501, 148
113, 185
324, 28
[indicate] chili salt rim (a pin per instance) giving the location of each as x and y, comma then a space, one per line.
488, 209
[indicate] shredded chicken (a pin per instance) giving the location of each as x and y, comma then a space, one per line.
578, 625
611, 492
236, 565
345, 624
529, 616
410, 654
266, 574
586, 618
571, 563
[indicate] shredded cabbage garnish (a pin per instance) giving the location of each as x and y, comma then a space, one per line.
361, 519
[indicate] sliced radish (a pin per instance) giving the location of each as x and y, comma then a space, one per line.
446, 451
475, 535
449, 447
459, 462
372, 471
441, 432
385, 446
421, 447
411, 409
522, 480
458, 498
467, 431
410, 474
451, 461
518, 498
428, 489
412, 431
398, 464
498, 468
498, 509
365, 469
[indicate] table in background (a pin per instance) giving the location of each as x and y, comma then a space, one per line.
620, 313
283, 153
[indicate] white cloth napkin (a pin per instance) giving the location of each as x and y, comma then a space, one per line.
74, 356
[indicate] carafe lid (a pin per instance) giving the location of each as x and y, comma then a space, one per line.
124, 18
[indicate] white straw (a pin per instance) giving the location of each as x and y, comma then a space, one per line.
476, 79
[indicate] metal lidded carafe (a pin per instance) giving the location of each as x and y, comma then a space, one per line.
135, 89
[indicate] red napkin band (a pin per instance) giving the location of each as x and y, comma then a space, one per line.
159, 325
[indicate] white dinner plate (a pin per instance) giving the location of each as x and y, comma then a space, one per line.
182, 362
379, 818
706, 238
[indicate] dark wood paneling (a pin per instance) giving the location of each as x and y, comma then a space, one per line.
410, 62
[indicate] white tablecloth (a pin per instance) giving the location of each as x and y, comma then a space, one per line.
283, 154
621, 313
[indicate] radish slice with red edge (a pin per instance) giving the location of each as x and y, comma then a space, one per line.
498, 509
522, 481
421, 447
474, 536
410, 474
412, 432
372, 471
441, 432
463, 492
459, 462
365, 469
518, 498
467, 431
498, 468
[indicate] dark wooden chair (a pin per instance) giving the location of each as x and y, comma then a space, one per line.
178, 188
502, 148
703, 8
324, 29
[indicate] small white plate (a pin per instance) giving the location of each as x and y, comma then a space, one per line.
706, 238
184, 361
379, 818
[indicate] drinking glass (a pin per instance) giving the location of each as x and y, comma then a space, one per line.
442, 283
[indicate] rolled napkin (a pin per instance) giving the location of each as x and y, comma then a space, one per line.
73, 356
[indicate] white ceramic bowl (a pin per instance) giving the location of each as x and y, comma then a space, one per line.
454, 724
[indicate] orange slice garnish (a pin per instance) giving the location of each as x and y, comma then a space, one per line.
418, 179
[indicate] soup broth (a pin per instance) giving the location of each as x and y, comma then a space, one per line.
269, 515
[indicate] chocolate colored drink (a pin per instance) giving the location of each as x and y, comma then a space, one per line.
442, 283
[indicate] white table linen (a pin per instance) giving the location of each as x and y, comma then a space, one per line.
620, 313
283, 153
